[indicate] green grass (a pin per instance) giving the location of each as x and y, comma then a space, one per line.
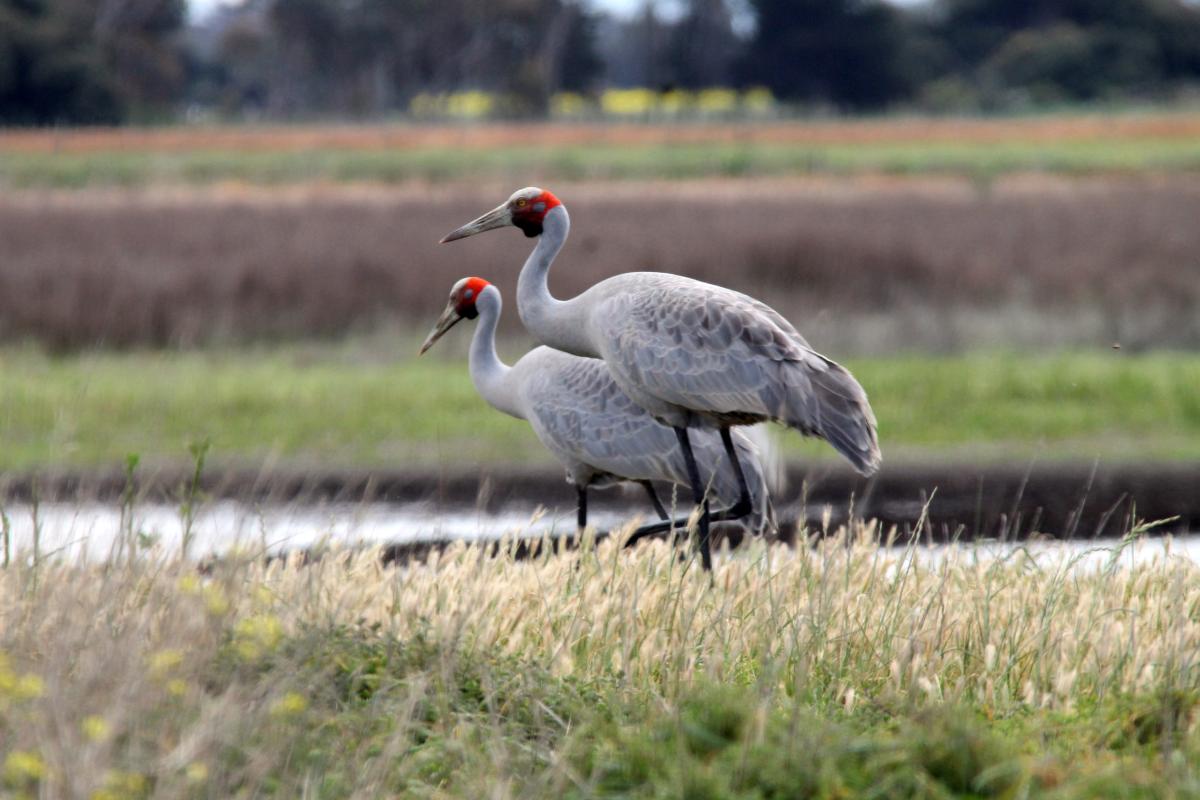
981, 159
840, 670
339, 406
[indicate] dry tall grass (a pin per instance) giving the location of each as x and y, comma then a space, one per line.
921, 263
378, 137
476, 676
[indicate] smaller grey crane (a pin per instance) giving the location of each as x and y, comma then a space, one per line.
590, 425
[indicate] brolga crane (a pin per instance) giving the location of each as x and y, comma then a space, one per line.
695, 355
583, 418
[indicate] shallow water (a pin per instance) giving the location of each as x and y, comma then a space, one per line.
94, 531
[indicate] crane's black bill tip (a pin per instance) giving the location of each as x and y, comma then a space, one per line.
450, 317
470, 229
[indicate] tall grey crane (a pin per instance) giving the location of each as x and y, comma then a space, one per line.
692, 354
583, 418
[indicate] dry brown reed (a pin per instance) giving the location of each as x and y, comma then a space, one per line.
1045, 259
190, 685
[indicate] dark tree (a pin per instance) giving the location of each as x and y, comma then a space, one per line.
580, 64
371, 57
845, 52
704, 46
88, 61
636, 50
139, 43
1073, 49
50, 70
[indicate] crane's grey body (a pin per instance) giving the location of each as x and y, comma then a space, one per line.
594, 429
695, 355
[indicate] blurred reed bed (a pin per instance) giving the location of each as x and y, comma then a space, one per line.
841, 667
872, 265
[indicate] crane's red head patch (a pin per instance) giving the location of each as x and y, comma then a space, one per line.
526, 209
465, 293
529, 207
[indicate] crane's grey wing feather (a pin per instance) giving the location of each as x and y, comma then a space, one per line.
582, 416
671, 340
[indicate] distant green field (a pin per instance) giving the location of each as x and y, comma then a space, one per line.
638, 147
593, 162
338, 406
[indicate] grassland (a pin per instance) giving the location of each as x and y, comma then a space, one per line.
523, 165
843, 670
523, 153
839, 670
350, 406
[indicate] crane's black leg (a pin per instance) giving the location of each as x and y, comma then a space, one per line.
658, 506
698, 496
743, 506
581, 513
689, 459
653, 528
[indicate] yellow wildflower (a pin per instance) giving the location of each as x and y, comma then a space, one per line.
215, 600
567, 104
289, 705
469, 105
255, 636
29, 686
717, 101
22, 766
164, 661
94, 728
120, 785
758, 100
263, 596
627, 101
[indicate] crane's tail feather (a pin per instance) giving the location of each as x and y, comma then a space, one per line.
764, 437
836, 409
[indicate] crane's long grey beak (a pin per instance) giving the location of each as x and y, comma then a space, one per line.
449, 318
496, 218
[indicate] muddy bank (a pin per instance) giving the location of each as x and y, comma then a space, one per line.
945, 500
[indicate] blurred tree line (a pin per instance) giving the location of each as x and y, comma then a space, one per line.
94, 61
105, 61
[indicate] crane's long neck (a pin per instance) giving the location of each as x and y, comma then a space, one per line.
491, 376
560, 324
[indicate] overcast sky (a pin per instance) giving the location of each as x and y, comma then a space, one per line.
200, 7
620, 7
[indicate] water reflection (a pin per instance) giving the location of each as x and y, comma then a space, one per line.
96, 531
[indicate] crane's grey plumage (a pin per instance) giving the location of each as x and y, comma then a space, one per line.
580, 414
676, 344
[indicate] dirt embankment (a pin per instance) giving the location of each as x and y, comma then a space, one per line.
943, 502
